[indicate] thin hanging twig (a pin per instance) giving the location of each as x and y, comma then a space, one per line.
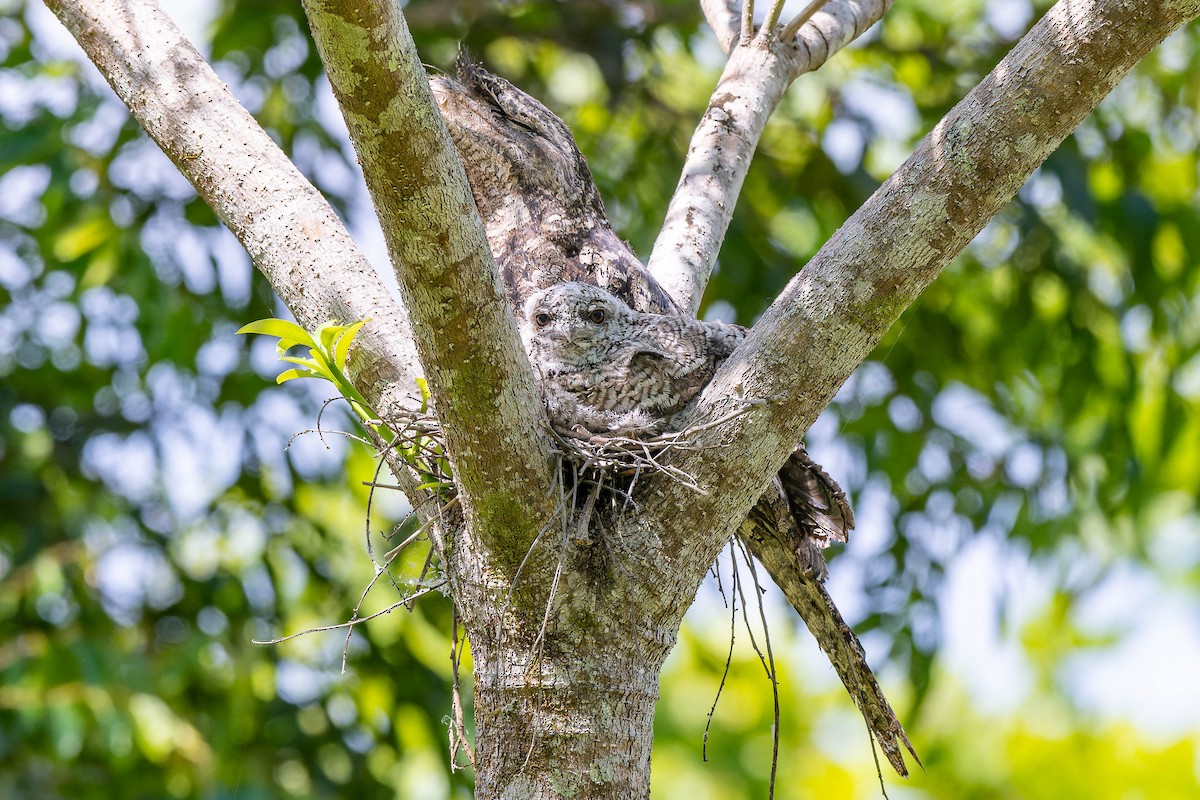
458, 731
352, 622
729, 656
762, 615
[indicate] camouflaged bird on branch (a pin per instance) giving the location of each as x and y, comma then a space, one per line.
613, 353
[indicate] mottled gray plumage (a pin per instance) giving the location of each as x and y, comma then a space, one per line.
606, 368
544, 217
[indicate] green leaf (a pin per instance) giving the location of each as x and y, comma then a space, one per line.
423, 386
282, 328
292, 374
344, 341
83, 238
102, 265
287, 344
302, 361
328, 334
315, 368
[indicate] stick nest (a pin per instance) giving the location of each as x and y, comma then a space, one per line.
632, 457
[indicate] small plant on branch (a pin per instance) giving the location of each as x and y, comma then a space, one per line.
414, 435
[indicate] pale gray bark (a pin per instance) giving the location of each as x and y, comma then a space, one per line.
756, 76
476, 368
290, 231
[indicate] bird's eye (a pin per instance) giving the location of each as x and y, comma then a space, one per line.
597, 315
541, 319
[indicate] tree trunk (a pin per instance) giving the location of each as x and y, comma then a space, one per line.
567, 649
568, 717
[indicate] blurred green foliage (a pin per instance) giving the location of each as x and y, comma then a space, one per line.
158, 516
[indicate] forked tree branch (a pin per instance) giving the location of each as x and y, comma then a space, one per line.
755, 79
477, 371
290, 231
835, 311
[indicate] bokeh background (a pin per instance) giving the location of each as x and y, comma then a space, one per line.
1023, 450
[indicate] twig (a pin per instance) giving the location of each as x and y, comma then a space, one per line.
376, 485
747, 32
412, 537
538, 648
729, 657
626, 456
793, 27
458, 731
772, 19
582, 534
561, 506
762, 615
370, 500
381, 569
321, 435
540, 640
352, 622
613, 552
321, 415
